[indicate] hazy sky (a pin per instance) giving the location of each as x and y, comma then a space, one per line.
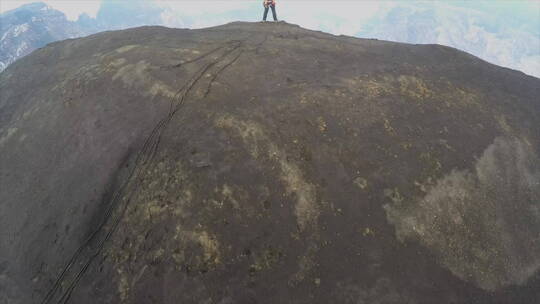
303, 10
504, 32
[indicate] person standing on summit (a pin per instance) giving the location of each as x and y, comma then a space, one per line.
269, 4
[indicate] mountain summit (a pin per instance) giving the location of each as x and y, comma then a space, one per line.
266, 163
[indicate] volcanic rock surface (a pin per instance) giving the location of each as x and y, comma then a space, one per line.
265, 163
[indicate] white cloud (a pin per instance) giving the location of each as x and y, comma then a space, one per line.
196, 8
199, 14
6, 5
337, 17
73, 9
529, 65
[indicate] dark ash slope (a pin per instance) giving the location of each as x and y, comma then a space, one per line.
265, 163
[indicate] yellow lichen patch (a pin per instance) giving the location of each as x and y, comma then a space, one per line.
72, 85
361, 182
406, 145
159, 88
431, 164
423, 186
234, 196
28, 113
473, 220
467, 96
388, 127
526, 141
8, 134
307, 95
321, 123
445, 144
250, 133
123, 286
306, 209
118, 62
126, 48
161, 199
367, 232
179, 258
385, 150
126, 284
503, 124
210, 246
306, 265
458, 96
206, 241
139, 75
340, 93
394, 195
133, 73
369, 86
181, 51
303, 98
260, 146
265, 260
414, 87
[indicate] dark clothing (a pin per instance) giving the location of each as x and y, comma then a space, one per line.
273, 7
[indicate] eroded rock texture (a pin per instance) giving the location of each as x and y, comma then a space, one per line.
469, 219
265, 163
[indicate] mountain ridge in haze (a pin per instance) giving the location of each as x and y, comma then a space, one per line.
34, 25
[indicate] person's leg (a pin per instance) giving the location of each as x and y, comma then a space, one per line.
265, 13
274, 12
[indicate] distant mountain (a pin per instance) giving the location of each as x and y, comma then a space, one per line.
30, 27
509, 42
